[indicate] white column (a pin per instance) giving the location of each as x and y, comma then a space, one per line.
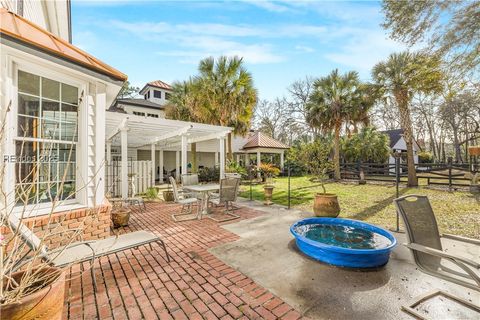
109, 167
124, 166
238, 157
282, 160
259, 162
177, 166
222, 157
161, 166
154, 167
216, 158
184, 154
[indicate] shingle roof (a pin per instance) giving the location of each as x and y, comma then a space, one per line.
21, 29
394, 136
138, 102
261, 140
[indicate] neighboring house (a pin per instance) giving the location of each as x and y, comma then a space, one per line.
54, 95
397, 143
155, 96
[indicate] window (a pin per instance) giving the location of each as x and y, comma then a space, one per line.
46, 140
157, 94
139, 113
152, 115
167, 96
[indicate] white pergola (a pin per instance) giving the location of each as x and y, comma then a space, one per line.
159, 134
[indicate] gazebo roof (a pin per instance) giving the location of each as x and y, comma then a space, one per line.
261, 140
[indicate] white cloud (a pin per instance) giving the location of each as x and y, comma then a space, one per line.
304, 49
272, 6
363, 49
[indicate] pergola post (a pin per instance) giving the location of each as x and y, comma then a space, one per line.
177, 166
124, 165
161, 166
154, 167
259, 162
108, 164
222, 156
184, 154
282, 160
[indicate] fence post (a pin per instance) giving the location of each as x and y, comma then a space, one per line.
289, 187
450, 160
251, 181
397, 182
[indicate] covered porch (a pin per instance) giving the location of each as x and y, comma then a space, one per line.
142, 147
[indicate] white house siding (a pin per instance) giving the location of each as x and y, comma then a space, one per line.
91, 120
50, 15
129, 109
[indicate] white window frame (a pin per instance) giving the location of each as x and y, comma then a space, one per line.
81, 162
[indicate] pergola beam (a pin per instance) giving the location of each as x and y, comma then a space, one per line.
122, 126
173, 134
211, 136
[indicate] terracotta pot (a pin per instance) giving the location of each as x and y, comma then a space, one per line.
268, 192
44, 304
168, 196
474, 150
120, 217
326, 205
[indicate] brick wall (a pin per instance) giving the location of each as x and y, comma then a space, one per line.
93, 224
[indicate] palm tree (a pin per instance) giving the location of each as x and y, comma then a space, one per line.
227, 95
400, 77
336, 99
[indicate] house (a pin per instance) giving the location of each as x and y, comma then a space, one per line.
397, 143
155, 96
168, 159
53, 96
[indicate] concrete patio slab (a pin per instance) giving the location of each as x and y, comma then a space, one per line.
266, 252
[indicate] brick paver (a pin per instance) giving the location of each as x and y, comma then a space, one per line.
141, 284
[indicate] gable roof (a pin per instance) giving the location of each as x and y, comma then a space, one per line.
24, 31
394, 135
261, 140
157, 84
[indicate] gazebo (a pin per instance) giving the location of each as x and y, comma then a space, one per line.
259, 143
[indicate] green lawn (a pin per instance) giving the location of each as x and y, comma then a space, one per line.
456, 212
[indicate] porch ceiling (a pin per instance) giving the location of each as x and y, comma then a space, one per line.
164, 133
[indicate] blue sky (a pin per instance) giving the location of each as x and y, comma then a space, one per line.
280, 41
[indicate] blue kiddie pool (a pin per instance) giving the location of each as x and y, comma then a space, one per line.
343, 242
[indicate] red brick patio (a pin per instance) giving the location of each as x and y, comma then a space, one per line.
141, 284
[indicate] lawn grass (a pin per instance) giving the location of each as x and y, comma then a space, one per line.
456, 212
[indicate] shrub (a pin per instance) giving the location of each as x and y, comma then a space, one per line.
235, 167
151, 193
208, 174
425, 157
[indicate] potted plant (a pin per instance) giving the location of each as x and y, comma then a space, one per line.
268, 172
315, 157
120, 215
168, 194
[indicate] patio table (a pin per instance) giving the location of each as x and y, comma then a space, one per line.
204, 189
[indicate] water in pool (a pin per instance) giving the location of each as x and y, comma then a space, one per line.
343, 236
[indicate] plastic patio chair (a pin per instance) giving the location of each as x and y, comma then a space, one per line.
186, 202
424, 241
227, 196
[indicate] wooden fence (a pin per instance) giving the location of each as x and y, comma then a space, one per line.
446, 174
140, 174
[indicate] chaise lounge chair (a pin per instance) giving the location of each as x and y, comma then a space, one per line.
424, 241
82, 251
